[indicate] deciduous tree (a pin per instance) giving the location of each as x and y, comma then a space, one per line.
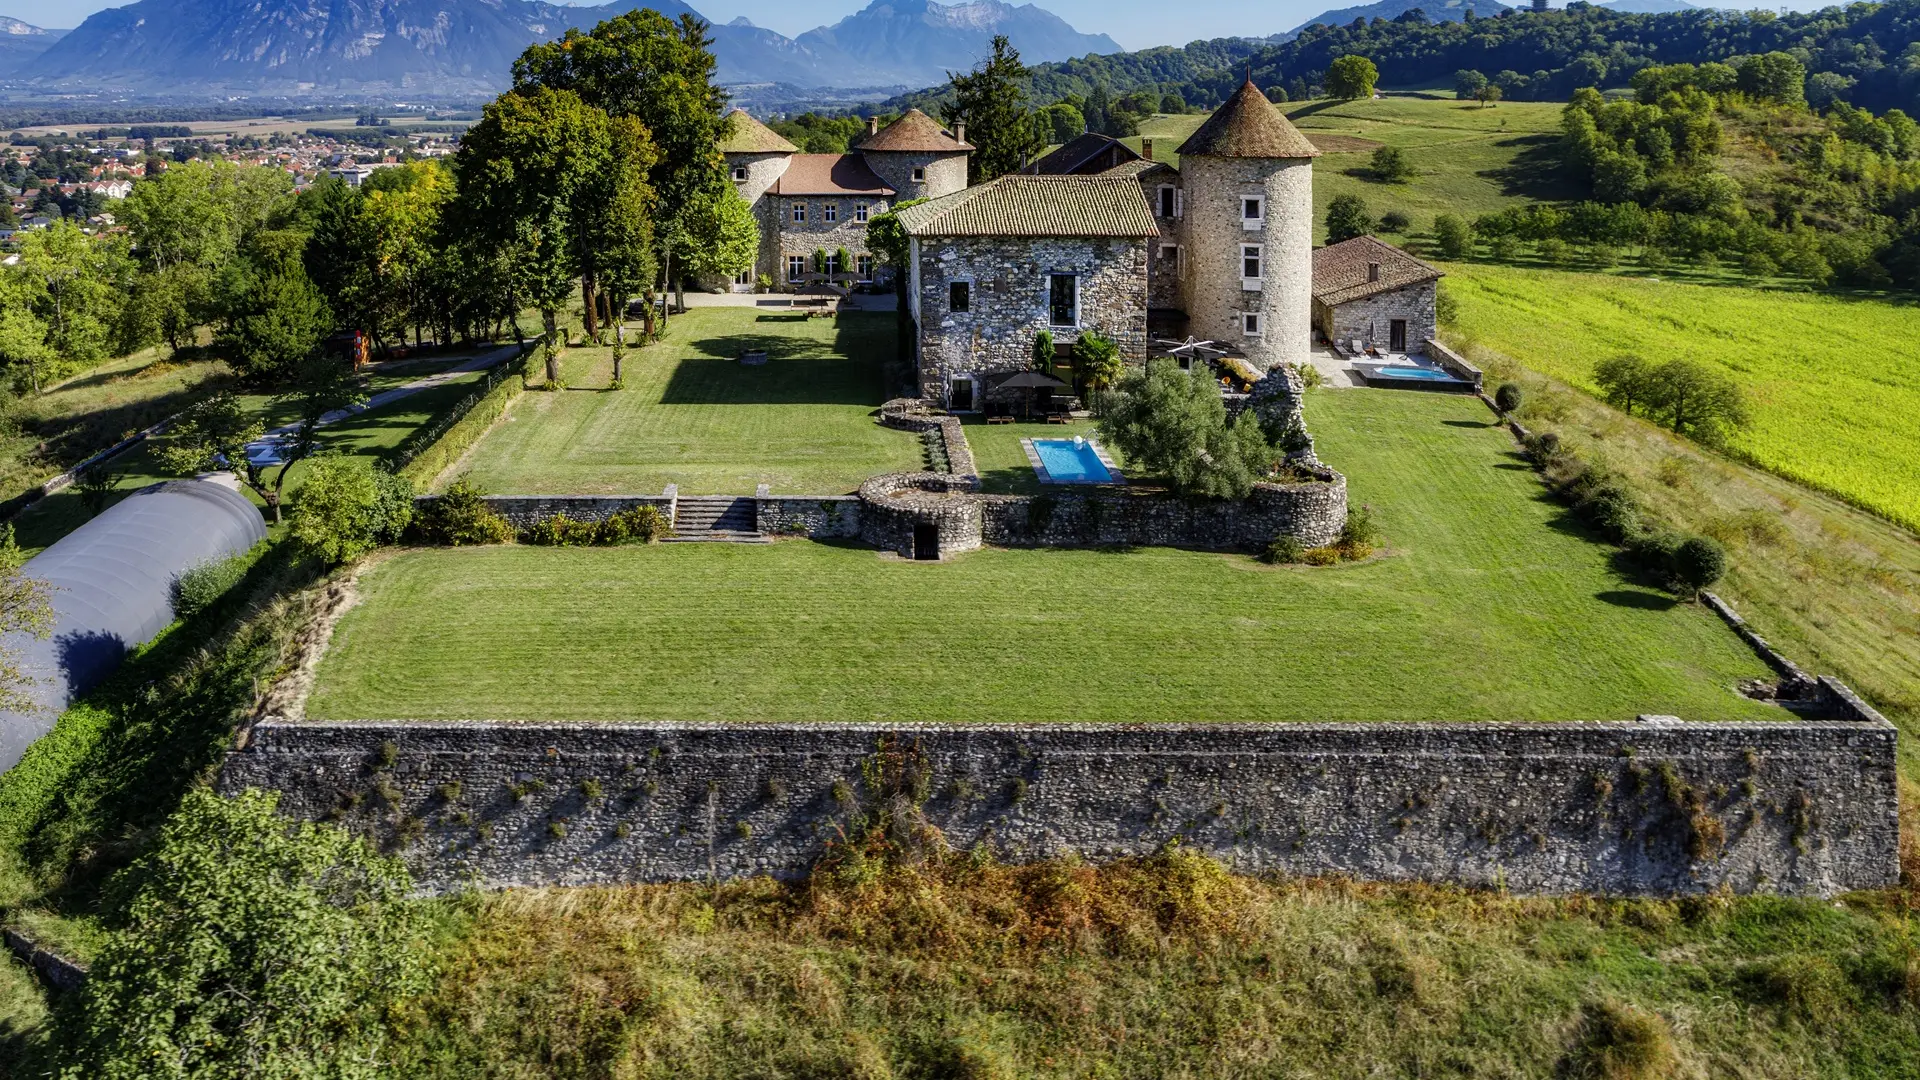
1351, 76
1172, 423
1347, 217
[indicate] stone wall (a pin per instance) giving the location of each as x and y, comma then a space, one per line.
916, 414
1370, 319
1214, 230
827, 517
946, 173
1805, 808
1454, 363
895, 509
816, 233
1008, 305
762, 171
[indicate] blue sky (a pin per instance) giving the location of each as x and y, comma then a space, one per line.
1135, 24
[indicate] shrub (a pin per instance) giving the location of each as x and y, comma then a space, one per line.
1698, 562
1165, 414
96, 484
1284, 550
642, 523
1393, 221
1508, 398
1453, 236
348, 507
1543, 446
1390, 164
1043, 351
1360, 528
461, 517
1310, 376
201, 587
1626, 1043
1321, 556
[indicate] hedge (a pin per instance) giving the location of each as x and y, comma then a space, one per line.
429, 451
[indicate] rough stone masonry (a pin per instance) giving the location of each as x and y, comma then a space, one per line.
1657, 807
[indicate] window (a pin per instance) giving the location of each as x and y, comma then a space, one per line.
1166, 200
860, 212
833, 263
1250, 323
799, 213
865, 263
830, 212
796, 267
739, 173
920, 176
1063, 300
744, 277
959, 296
1250, 266
1169, 258
1253, 211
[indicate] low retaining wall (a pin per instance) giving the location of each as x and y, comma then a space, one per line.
916, 414
830, 517
526, 511
895, 507
1659, 807
56, 971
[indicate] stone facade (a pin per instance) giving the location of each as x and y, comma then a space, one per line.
1651, 808
1371, 319
1009, 279
1167, 256
1217, 295
830, 517
942, 173
788, 237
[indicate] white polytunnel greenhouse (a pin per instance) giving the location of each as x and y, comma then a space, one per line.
112, 590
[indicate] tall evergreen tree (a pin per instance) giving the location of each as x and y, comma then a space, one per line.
992, 99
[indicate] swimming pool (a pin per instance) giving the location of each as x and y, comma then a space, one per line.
1418, 373
1071, 461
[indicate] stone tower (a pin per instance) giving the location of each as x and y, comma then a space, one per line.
757, 157
1248, 175
915, 156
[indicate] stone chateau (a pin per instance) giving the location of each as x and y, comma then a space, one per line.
1092, 237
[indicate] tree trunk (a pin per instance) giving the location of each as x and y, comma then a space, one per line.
589, 309
552, 319
619, 346
646, 321
666, 283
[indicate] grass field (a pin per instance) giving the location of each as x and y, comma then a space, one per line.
1003, 465
1160, 969
692, 415
1471, 160
1834, 390
373, 431
1491, 606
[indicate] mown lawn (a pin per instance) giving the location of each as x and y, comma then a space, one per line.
1470, 160
691, 415
1003, 465
1834, 391
1490, 605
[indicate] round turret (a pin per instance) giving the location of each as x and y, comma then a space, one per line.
916, 157
1248, 179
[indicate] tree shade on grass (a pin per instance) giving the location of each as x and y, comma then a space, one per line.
1492, 605
1835, 401
692, 415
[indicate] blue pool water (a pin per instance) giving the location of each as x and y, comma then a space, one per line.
1067, 462
1429, 374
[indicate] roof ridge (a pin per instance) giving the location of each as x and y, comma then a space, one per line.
1248, 126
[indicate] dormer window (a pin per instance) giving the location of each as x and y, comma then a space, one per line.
739, 174
920, 175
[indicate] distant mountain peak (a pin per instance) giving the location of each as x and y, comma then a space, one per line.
16, 28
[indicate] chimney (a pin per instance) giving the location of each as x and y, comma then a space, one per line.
959, 131
1146, 149
1373, 272
873, 125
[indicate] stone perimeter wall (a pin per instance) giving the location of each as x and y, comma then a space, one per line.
1805, 808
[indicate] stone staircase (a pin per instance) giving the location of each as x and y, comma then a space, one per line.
711, 518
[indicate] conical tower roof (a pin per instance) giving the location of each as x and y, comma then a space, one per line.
745, 135
1248, 126
914, 132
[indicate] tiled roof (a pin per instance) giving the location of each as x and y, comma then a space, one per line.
1340, 270
829, 174
1136, 170
1020, 204
745, 135
1077, 151
913, 132
1248, 126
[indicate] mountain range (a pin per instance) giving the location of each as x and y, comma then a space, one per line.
444, 48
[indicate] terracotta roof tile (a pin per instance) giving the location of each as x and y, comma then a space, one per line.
1024, 205
745, 135
1340, 270
1076, 152
914, 132
829, 174
1248, 126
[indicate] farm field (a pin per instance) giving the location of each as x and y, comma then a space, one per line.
1835, 398
1471, 160
692, 415
1536, 624
374, 431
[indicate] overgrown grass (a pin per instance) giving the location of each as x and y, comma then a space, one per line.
692, 415
1470, 160
1490, 604
23, 1022
1160, 967
1835, 398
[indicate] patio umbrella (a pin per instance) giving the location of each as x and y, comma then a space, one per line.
1029, 381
